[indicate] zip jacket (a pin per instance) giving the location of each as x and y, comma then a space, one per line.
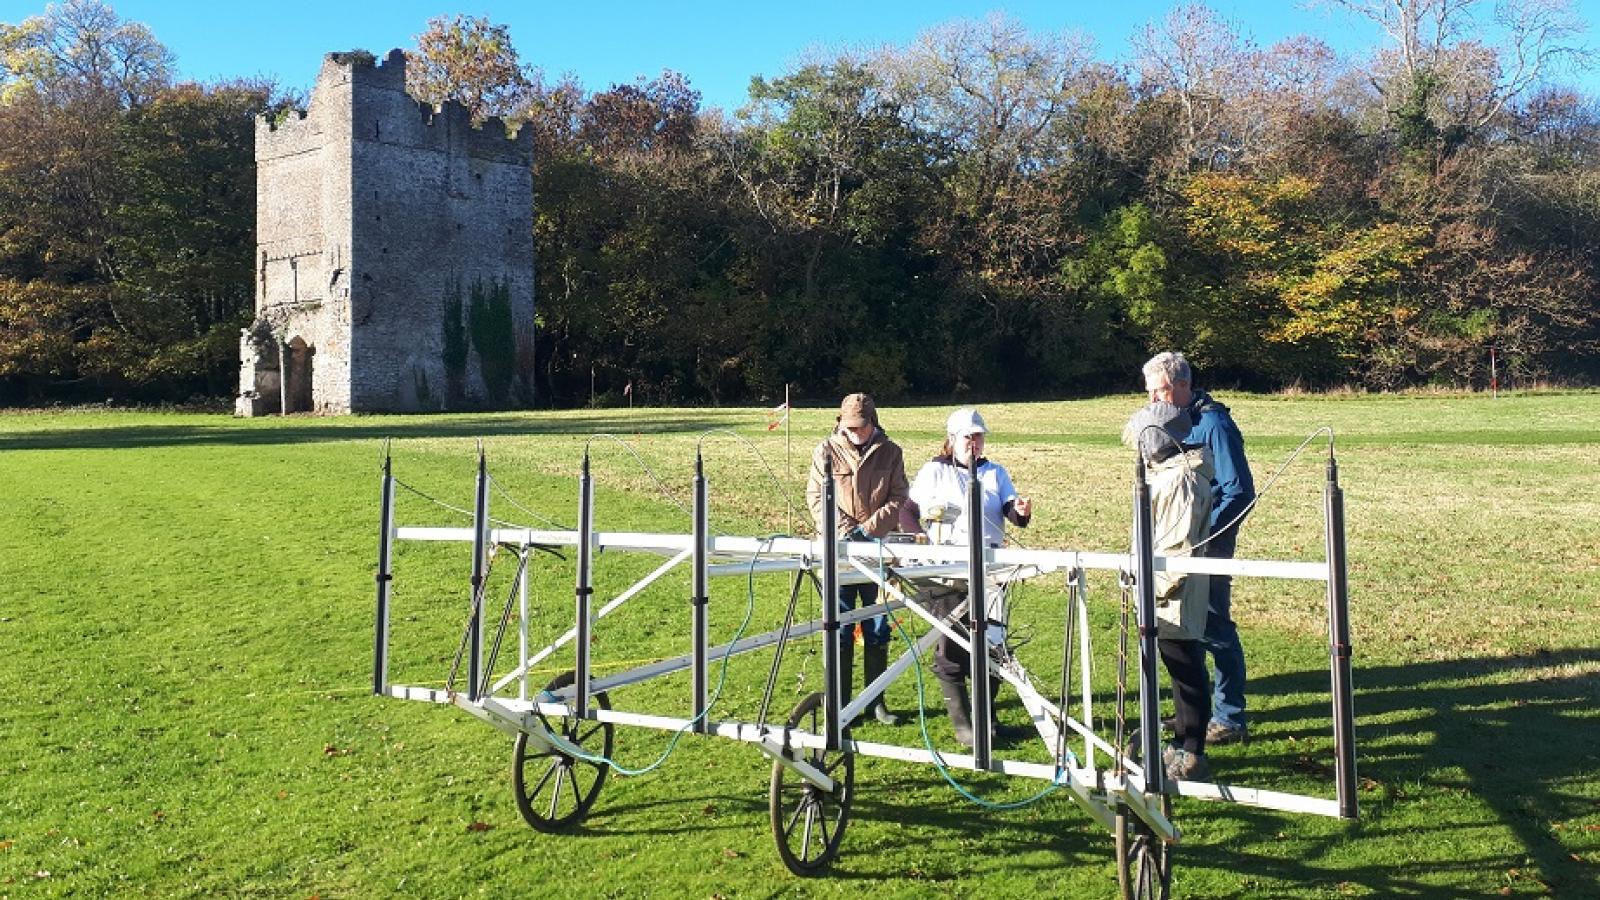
869, 481
1232, 488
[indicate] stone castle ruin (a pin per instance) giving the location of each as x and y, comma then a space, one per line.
394, 253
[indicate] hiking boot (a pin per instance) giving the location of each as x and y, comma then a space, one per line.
1219, 733
1186, 766
1132, 749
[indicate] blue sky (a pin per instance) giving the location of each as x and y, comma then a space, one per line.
717, 45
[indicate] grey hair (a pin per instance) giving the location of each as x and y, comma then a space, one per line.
1170, 365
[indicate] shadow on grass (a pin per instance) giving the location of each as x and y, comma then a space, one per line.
1497, 729
678, 814
895, 855
1492, 728
1512, 733
312, 430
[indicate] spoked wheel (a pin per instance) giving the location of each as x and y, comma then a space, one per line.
554, 790
807, 822
1144, 860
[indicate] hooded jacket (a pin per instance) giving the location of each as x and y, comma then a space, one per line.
870, 483
1232, 487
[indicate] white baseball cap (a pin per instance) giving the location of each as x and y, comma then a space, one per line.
965, 421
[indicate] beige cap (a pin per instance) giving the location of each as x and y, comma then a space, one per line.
857, 410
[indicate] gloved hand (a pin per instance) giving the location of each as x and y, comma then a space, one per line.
856, 534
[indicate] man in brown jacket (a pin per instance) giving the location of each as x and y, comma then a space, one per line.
869, 474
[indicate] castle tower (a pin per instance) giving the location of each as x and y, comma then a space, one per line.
394, 254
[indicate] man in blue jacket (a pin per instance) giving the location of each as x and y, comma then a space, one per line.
1168, 378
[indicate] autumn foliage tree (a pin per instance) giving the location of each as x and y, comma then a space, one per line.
988, 210
469, 60
126, 211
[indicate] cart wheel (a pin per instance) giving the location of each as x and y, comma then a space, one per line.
554, 791
1144, 860
808, 823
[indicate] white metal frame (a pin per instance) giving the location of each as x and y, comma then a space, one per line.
1096, 789
902, 572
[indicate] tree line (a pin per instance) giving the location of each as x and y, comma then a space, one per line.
988, 210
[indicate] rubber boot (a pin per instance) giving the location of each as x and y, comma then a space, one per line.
1000, 732
847, 671
955, 702
873, 661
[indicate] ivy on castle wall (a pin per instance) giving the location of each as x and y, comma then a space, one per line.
483, 323
490, 323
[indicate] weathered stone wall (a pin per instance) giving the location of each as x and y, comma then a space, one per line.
440, 205
376, 215
302, 234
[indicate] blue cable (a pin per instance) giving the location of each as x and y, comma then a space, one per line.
922, 716
722, 680
927, 742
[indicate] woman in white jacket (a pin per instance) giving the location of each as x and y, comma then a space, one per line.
940, 494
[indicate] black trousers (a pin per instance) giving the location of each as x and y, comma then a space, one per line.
1191, 695
950, 659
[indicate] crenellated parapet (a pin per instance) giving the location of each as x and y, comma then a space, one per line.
493, 139
388, 73
354, 82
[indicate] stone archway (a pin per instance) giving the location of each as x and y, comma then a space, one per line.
297, 368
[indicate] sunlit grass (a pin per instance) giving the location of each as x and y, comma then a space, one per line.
186, 628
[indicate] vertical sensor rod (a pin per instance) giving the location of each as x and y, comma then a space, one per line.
585, 588
480, 556
1144, 558
385, 578
702, 538
1344, 743
831, 676
977, 620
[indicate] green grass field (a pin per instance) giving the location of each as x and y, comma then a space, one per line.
186, 607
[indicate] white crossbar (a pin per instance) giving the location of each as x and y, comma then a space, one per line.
806, 553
